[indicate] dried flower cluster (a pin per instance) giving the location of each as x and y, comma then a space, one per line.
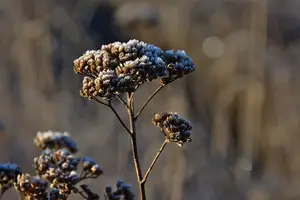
32, 187
8, 175
122, 192
55, 140
122, 67
91, 168
178, 65
174, 127
56, 167
59, 168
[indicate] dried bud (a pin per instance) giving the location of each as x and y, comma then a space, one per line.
8, 175
90, 166
123, 191
55, 140
175, 128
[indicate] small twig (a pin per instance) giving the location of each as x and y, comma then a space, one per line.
82, 173
122, 101
148, 101
154, 161
98, 101
119, 118
82, 194
108, 104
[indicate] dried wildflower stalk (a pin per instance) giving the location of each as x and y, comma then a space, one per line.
119, 69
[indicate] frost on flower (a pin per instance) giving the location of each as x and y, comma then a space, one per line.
175, 128
32, 187
8, 175
55, 140
178, 65
122, 67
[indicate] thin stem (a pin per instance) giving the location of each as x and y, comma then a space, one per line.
114, 111
119, 118
154, 161
98, 101
137, 166
82, 194
122, 101
148, 100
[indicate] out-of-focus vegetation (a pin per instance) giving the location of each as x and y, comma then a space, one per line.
243, 98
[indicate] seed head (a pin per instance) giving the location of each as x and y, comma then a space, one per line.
123, 191
55, 140
8, 175
122, 67
175, 128
91, 167
32, 187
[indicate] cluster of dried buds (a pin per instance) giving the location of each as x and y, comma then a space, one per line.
55, 140
122, 192
32, 187
8, 175
56, 167
59, 166
175, 128
122, 67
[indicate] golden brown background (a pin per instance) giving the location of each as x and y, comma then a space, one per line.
243, 98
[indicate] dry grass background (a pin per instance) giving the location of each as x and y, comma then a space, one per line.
243, 99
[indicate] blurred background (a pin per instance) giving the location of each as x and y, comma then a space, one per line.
243, 99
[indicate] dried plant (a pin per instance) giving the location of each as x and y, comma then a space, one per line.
58, 174
117, 69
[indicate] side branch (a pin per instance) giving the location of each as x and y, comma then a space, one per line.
122, 101
119, 118
98, 101
154, 161
148, 100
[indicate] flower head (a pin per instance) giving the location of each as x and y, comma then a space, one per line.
55, 140
175, 128
33, 187
59, 168
178, 65
91, 167
8, 175
122, 67
123, 191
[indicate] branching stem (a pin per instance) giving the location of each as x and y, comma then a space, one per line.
122, 101
119, 118
132, 132
148, 101
98, 101
154, 161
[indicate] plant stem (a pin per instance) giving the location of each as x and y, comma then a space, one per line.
108, 104
119, 118
98, 101
138, 170
154, 161
81, 193
122, 101
148, 100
